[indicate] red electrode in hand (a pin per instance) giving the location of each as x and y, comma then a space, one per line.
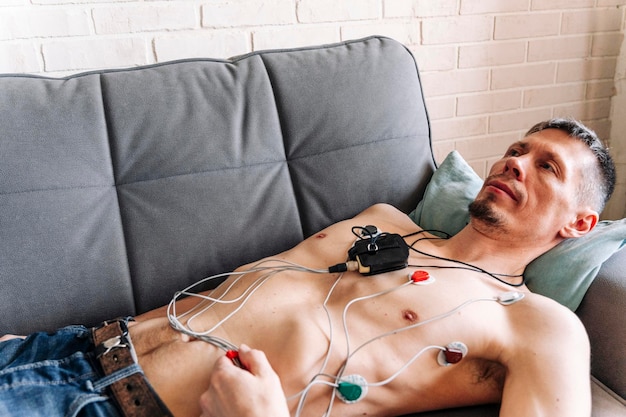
233, 355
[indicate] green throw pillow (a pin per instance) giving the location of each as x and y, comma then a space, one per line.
564, 273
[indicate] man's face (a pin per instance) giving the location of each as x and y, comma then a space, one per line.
531, 191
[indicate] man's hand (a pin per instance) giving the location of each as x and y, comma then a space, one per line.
235, 392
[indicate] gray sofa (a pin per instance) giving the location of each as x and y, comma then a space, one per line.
119, 187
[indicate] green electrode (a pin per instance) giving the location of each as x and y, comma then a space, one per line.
351, 388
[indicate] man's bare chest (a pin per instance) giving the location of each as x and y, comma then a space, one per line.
388, 333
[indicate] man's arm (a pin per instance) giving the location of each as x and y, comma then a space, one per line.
7, 337
548, 368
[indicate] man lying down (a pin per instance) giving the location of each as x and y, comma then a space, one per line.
403, 321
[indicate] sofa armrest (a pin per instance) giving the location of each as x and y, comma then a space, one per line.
602, 311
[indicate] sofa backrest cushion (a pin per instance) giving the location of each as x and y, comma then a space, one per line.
119, 187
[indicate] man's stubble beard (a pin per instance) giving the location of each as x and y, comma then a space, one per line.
481, 210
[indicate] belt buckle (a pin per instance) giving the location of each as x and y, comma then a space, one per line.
110, 344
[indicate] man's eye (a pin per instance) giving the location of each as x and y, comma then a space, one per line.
513, 152
546, 166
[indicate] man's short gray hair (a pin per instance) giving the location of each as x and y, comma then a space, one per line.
600, 187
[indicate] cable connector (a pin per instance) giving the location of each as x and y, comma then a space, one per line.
350, 266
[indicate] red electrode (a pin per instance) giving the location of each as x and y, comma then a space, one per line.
233, 355
420, 276
453, 355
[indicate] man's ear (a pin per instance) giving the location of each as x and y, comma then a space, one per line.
582, 224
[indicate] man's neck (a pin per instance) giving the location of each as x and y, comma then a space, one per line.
497, 252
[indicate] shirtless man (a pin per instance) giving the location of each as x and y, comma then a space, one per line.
531, 355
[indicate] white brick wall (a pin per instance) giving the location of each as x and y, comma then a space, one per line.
490, 68
143, 17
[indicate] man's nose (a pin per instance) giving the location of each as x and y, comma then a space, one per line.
515, 166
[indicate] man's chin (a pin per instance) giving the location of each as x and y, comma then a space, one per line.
482, 211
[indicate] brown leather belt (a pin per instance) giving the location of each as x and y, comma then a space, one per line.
133, 395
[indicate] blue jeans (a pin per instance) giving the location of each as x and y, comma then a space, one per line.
53, 374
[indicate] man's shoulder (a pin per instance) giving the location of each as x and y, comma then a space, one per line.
548, 359
381, 209
542, 304
387, 216
540, 316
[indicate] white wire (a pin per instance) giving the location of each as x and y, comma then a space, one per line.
254, 287
355, 300
402, 329
305, 393
314, 381
404, 367
175, 319
208, 301
330, 340
422, 323
196, 311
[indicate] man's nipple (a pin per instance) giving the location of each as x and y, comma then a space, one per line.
410, 316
